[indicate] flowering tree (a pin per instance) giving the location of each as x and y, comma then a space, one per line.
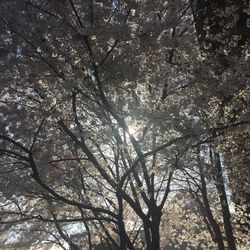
98, 106
223, 33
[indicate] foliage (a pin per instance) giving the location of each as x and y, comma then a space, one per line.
113, 123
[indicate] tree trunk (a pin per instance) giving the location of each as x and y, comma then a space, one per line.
155, 226
155, 231
213, 223
224, 204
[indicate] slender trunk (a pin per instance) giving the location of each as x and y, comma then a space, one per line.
125, 242
215, 226
147, 235
217, 234
108, 237
87, 230
121, 232
89, 235
224, 203
64, 236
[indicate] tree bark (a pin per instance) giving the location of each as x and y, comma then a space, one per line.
224, 204
217, 234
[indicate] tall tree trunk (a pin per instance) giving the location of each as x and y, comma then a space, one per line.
217, 234
220, 185
125, 242
147, 235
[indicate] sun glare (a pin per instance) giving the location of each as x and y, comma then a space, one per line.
132, 130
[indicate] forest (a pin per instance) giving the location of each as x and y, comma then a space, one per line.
124, 124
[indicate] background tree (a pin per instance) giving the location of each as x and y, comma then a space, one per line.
223, 32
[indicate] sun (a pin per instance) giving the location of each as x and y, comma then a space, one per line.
132, 130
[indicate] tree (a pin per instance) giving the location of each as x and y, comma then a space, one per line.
96, 98
223, 33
